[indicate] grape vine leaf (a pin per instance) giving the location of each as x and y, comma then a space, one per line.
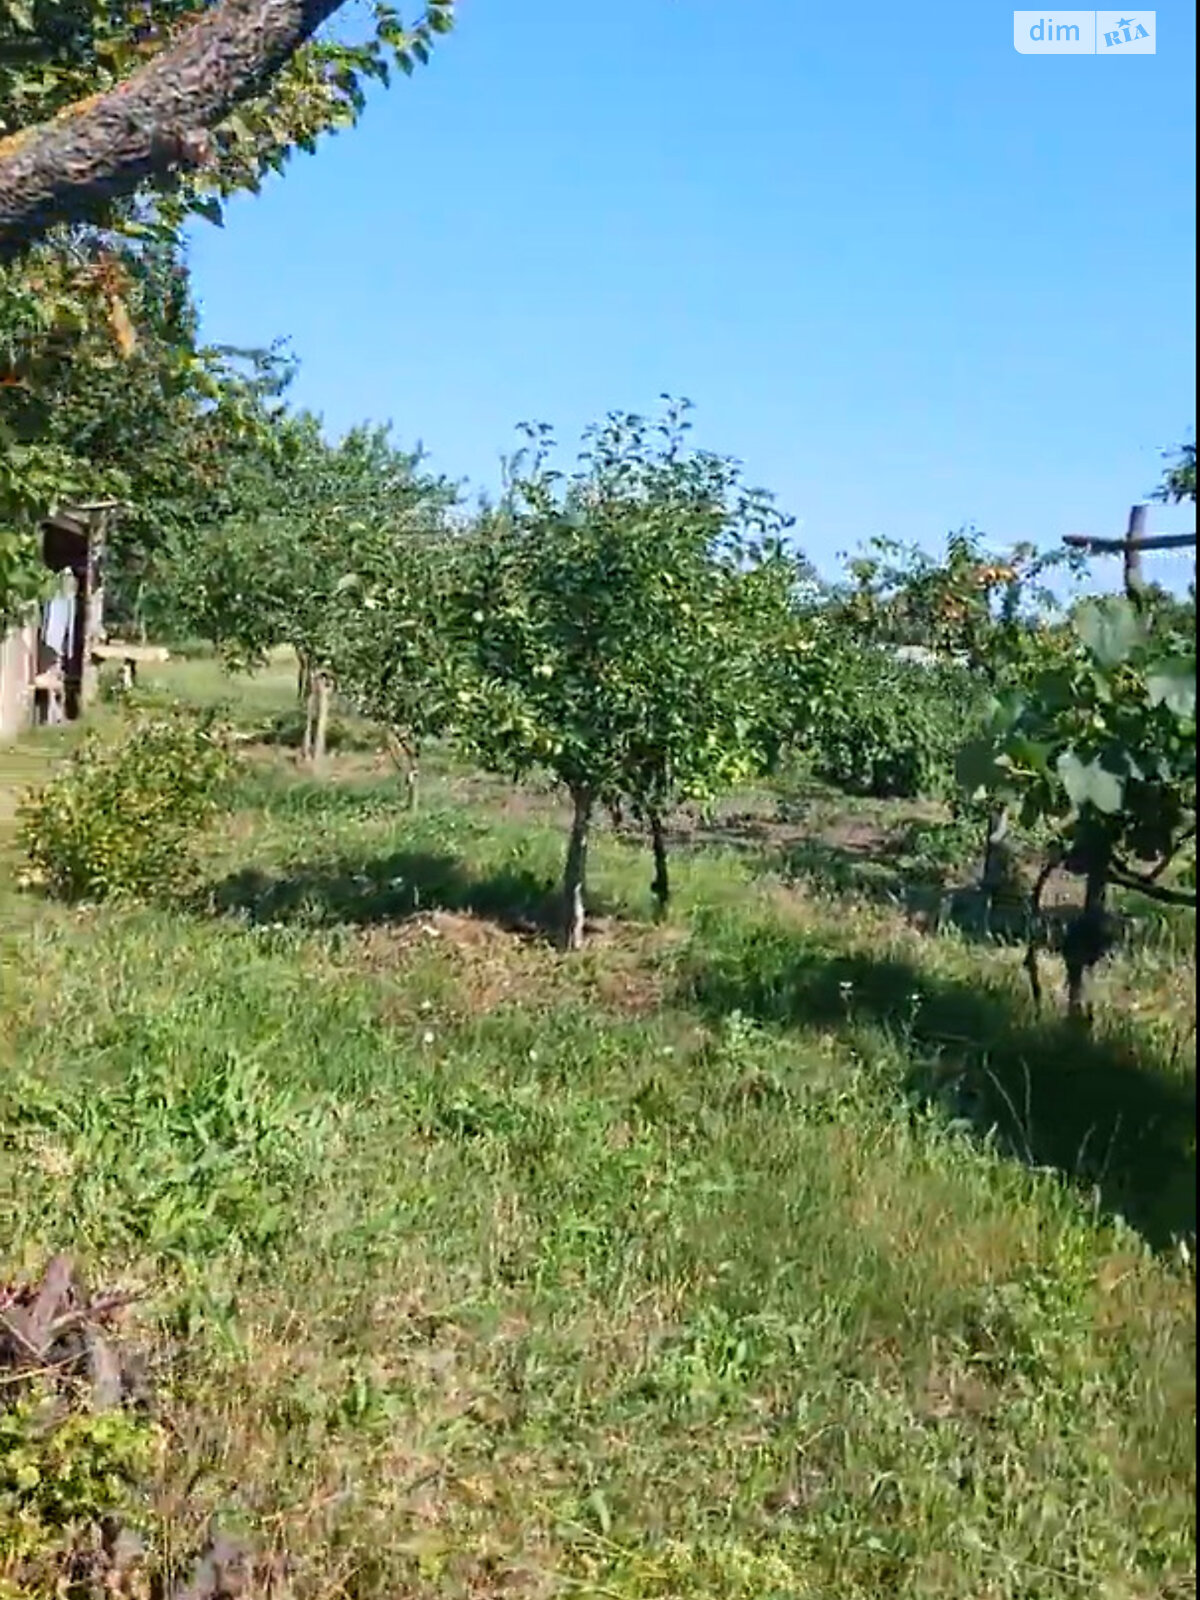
1111, 629
1173, 684
1088, 783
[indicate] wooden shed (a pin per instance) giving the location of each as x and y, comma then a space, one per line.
47, 660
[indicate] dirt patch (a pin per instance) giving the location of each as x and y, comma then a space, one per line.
624, 968
492, 965
857, 835
464, 932
636, 976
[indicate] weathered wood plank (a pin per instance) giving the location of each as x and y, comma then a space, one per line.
114, 650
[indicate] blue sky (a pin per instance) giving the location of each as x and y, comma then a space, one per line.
909, 276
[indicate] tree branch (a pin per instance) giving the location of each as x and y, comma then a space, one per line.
1143, 883
155, 123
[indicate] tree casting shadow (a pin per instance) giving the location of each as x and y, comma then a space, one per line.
875, 867
1097, 1109
1100, 1109
392, 888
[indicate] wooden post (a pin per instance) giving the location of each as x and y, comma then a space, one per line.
1134, 581
1106, 547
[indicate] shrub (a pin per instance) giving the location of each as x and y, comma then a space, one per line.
890, 729
286, 729
119, 820
62, 1475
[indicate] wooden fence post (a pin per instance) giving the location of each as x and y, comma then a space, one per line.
1134, 581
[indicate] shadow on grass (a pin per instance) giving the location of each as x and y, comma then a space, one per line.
933, 897
390, 888
891, 867
1104, 1110
881, 866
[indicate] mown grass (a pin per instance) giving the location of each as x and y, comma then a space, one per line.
685, 1268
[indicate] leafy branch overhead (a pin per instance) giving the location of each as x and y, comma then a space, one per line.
110, 99
105, 390
118, 118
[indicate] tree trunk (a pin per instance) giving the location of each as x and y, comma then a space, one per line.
993, 854
1087, 940
321, 697
575, 875
997, 875
154, 125
405, 756
661, 886
304, 689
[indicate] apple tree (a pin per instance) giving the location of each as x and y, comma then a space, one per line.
326, 551
620, 624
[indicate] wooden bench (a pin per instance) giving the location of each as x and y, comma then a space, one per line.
129, 655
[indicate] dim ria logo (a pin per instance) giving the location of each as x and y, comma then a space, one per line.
1084, 33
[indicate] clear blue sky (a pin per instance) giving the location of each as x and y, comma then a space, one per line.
910, 277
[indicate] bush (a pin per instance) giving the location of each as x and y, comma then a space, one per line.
119, 820
286, 730
62, 1474
891, 729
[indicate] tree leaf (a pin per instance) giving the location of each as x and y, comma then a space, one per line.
1032, 754
211, 210
1111, 629
976, 767
1173, 684
1088, 783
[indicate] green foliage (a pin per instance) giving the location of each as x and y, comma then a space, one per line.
105, 389
873, 722
315, 535
181, 1156
1179, 477
32, 478
617, 624
966, 604
121, 817
395, 655
1102, 744
887, 728
622, 624
63, 1475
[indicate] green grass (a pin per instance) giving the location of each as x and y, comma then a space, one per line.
684, 1268
203, 680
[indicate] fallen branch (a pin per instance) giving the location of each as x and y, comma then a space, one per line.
55, 1328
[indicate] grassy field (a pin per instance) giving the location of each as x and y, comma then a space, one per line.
774, 1251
